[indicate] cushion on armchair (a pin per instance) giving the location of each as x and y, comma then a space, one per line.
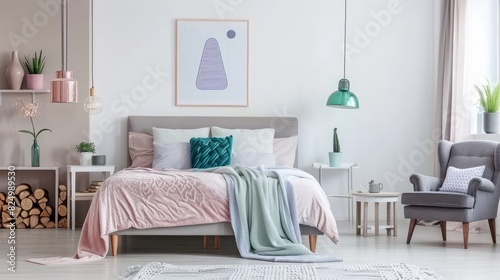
457, 180
438, 199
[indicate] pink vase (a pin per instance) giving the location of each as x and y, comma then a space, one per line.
14, 73
34, 81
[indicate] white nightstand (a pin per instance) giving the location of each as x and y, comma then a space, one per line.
106, 170
345, 167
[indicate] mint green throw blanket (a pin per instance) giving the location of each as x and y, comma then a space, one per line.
263, 214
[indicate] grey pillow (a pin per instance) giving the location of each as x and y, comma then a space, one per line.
171, 156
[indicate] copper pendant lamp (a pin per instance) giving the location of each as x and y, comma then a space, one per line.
63, 89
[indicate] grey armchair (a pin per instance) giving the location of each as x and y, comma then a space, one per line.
479, 203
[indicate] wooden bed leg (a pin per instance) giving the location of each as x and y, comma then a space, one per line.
217, 241
312, 242
205, 242
114, 244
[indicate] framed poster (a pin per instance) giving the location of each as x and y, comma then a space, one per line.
212, 63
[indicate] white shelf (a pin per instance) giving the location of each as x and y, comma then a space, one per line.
91, 168
32, 91
84, 195
41, 168
23, 91
345, 167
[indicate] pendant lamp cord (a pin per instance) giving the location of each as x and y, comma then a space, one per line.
64, 43
92, 42
345, 31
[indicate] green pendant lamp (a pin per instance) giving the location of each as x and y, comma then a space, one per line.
343, 98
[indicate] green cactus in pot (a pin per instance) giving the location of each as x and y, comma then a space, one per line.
336, 144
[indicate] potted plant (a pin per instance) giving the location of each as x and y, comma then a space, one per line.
34, 80
489, 99
86, 150
30, 109
335, 157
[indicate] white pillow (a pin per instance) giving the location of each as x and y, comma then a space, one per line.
285, 149
166, 135
457, 180
253, 159
171, 155
248, 140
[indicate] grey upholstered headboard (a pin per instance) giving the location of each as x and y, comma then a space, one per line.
284, 126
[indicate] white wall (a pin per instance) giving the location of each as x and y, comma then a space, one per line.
295, 63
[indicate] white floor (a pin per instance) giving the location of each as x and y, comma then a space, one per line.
480, 261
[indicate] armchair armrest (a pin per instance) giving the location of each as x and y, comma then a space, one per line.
480, 184
425, 183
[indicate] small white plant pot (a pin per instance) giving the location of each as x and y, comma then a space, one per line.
335, 159
86, 158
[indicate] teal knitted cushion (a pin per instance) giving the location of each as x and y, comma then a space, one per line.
211, 152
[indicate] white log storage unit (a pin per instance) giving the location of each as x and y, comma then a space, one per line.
32, 202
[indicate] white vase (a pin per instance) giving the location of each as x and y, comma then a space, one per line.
14, 73
86, 158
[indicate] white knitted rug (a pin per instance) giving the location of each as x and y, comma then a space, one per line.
158, 270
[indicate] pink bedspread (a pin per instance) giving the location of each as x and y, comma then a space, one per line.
147, 198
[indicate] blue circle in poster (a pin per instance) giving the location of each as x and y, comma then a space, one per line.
231, 34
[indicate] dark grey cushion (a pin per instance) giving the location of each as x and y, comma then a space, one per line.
438, 199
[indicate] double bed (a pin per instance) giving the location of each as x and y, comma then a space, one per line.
314, 214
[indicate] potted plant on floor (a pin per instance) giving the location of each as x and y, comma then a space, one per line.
335, 157
34, 80
489, 99
85, 150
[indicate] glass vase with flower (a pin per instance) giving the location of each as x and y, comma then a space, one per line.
30, 109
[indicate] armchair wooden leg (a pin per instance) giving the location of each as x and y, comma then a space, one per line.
413, 223
465, 230
114, 244
491, 222
312, 242
443, 229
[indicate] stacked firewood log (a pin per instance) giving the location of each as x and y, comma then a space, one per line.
31, 208
62, 210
